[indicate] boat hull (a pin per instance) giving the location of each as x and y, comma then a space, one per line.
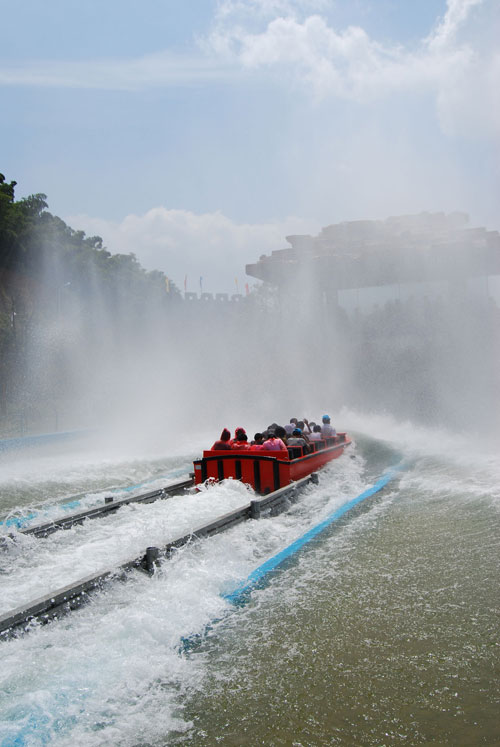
266, 471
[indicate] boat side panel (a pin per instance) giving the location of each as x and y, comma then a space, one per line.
311, 462
264, 471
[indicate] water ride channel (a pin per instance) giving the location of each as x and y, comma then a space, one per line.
278, 476
348, 612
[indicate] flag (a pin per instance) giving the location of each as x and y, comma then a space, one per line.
247, 289
167, 285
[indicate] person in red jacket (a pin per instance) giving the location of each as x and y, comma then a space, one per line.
257, 443
223, 442
237, 435
241, 442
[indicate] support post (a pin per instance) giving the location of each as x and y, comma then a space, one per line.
255, 509
152, 555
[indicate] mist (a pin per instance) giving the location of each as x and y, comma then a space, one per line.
272, 119
270, 209
397, 317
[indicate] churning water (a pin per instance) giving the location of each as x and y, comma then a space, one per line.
383, 630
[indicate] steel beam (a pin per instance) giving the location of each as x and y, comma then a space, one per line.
62, 601
110, 506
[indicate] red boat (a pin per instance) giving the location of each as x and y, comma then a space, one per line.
267, 471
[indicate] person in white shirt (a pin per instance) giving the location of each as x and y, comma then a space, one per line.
316, 435
327, 430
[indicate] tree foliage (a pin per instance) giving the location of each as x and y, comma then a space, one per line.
32, 238
48, 268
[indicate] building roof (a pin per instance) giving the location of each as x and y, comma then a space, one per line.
406, 248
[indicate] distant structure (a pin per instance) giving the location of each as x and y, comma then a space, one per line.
209, 299
402, 249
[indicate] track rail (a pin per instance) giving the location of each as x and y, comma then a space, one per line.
63, 600
110, 506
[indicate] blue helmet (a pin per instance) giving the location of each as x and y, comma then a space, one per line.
325, 418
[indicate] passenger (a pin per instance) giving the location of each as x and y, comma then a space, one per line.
307, 429
327, 430
296, 439
237, 433
273, 443
305, 435
241, 443
257, 443
290, 426
316, 434
223, 442
280, 432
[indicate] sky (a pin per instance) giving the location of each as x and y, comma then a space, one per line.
198, 134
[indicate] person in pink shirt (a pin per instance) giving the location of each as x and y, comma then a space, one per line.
273, 444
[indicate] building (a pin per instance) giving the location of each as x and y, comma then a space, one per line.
422, 248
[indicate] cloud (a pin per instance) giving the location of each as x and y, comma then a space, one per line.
459, 67
252, 9
293, 44
345, 64
180, 243
161, 69
445, 33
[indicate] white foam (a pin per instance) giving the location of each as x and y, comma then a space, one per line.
116, 662
112, 672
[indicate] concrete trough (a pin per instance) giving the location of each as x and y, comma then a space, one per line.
110, 506
63, 600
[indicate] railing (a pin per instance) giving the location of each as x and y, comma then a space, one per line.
62, 601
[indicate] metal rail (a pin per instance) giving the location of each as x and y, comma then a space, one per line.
62, 601
110, 506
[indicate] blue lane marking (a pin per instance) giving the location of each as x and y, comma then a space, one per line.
37, 724
23, 442
38, 727
241, 594
271, 564
20, 522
